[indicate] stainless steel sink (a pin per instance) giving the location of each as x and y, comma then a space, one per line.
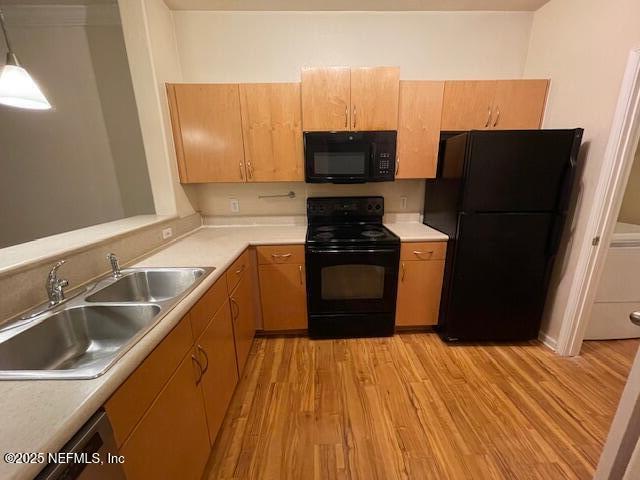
89, 333
156, 285
76, 338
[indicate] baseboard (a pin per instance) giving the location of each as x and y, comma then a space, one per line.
548, 341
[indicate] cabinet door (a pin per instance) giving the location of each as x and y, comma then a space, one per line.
216, 349
519, 104
171, 440
244, 322
283, 296
207, 132
326, 99
467, 104
272, 131
374, 98
419, 288
419, 117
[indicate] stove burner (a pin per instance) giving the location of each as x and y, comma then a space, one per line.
373, 233
325, 228
324, 235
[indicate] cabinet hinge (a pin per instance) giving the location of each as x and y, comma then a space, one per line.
595, 241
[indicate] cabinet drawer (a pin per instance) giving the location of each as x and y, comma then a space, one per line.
132, 399
280, 254
423, 250
236, 270
204, 310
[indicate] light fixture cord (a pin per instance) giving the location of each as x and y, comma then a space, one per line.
4, 31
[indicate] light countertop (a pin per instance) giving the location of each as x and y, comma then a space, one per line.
42, 415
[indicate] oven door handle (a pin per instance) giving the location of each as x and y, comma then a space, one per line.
359, 250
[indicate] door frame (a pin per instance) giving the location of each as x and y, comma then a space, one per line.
614, 174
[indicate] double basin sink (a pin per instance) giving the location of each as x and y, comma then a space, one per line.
87, 334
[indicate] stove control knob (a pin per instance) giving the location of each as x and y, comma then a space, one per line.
370, 207
378, 207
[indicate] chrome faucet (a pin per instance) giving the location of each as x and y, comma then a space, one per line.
55, 285
115, 265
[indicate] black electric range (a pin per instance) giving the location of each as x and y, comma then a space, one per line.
352, 265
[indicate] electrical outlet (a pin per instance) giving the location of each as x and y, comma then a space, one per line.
403, 203
234, 205
167, 233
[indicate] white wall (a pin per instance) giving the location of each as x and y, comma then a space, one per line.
630, 209
153, 59
273, 46
582, 45
81, 163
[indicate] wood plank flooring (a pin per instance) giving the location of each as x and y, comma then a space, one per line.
412, 407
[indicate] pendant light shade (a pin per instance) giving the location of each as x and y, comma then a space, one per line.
17, 88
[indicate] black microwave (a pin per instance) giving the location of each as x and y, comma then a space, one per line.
349, 157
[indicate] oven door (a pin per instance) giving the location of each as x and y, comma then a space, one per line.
352, 280
337, 157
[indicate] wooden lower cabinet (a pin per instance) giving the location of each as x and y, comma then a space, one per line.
419, 289
283, 295
243, 317
171, 440
216, 350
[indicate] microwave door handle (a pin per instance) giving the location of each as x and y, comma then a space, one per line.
372, 162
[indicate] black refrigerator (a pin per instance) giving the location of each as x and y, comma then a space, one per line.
502, 198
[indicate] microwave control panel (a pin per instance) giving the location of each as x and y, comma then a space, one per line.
384, 164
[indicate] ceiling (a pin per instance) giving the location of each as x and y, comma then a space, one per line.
356, 5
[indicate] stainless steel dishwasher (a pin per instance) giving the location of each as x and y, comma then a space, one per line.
92, 442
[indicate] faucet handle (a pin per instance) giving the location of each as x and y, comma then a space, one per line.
56, 286
115, 264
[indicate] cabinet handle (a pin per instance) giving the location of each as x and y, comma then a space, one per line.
346, 116
234, 316
206, 358
280, 255
241, 172
354, 117
404, 272
497, 117
418, 252
249, 171
300, 271
397, 165
200, 372
488, 122
240, 270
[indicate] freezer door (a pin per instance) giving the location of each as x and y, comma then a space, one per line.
498, 277
518, 171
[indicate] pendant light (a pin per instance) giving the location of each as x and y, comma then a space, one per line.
17, 88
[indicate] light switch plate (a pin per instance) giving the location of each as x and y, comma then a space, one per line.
403, 203
167, 233
234, 205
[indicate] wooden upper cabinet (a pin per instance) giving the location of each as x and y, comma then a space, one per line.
207, 132
519, 104
326, 99
467, 104
420, 111
272, 131
494, 104
374, 98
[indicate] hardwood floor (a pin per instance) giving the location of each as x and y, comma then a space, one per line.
411, 407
